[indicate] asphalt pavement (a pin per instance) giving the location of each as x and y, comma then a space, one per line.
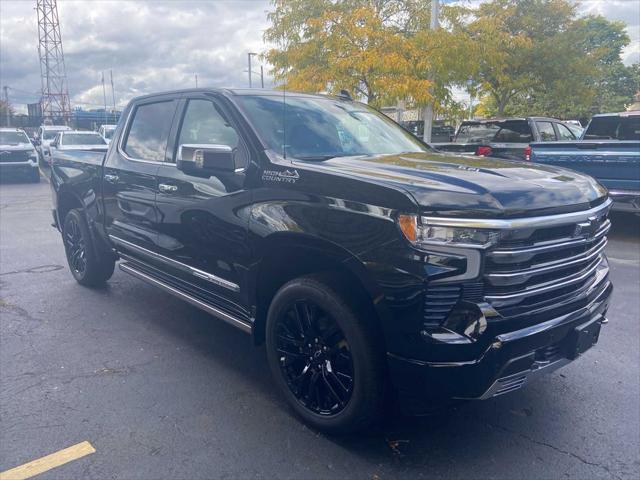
161, 390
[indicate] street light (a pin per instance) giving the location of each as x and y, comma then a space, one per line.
249, 55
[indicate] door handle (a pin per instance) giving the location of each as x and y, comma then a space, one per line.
165, 188
111, 178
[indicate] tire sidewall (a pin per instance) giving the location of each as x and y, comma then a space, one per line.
366, 372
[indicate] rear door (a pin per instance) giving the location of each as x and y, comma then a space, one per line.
130, 176
202, 222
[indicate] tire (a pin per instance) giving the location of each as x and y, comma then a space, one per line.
347, 339
88, 266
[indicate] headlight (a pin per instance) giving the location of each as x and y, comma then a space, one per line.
429, 231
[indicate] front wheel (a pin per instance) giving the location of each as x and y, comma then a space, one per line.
325, 356
88, 266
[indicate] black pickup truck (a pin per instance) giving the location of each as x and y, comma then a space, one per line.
367, 262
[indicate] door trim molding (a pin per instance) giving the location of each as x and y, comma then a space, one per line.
221, 282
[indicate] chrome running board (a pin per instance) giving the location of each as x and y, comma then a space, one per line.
236, 322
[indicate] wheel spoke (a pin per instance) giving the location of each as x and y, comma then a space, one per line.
330, 388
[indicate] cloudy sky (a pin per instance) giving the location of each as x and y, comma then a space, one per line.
160, 45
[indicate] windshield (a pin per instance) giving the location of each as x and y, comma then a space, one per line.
50, 134
13, 138
108, 133
614, 128
320, 128
82, 139
515, 131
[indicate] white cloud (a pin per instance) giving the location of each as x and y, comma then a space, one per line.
160, 45
150, 46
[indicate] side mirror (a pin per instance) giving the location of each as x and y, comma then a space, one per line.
199, 159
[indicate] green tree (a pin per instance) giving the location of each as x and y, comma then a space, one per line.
380, 49
538, 58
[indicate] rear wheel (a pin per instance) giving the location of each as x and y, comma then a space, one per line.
87, 265
325, 356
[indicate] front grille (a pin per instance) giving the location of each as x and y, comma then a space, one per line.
12, 156
532, 268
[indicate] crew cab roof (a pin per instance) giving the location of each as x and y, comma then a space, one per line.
619, 114
236, 92
508, 119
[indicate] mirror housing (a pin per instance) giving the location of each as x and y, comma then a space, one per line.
199, 159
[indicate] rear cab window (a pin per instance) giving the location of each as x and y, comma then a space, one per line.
616, 127
148, 131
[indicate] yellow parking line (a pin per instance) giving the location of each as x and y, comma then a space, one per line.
44, 464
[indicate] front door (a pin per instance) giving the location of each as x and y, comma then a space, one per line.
130, 177
203, 221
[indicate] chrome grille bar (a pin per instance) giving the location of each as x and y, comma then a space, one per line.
521, 276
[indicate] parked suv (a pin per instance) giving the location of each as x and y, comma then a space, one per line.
366, 261
17, 154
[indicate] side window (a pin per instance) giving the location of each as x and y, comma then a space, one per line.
204, 124
149, 131
547, 133
564, 133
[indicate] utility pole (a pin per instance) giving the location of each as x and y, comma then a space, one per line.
196, 80
261, 76
249, 55
6, 105
53, 76
113, 92
428, 109
104, 97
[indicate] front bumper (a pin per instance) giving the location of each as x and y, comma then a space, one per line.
625, 200
511, 360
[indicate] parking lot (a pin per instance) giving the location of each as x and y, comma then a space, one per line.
162, 390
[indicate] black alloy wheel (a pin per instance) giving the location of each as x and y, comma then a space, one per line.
89, 265
315, 358
76, 247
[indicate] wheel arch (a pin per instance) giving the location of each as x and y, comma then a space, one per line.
284, 256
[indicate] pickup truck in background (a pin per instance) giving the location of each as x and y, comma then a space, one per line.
367, 262
18, 155
609, 152
507, 138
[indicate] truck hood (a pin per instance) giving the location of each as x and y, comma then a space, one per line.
456, 185
21, 147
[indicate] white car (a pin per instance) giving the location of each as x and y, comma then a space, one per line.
106, 132
46, 134
77, 140
17, 154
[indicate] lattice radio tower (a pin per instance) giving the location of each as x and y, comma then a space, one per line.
55, 95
